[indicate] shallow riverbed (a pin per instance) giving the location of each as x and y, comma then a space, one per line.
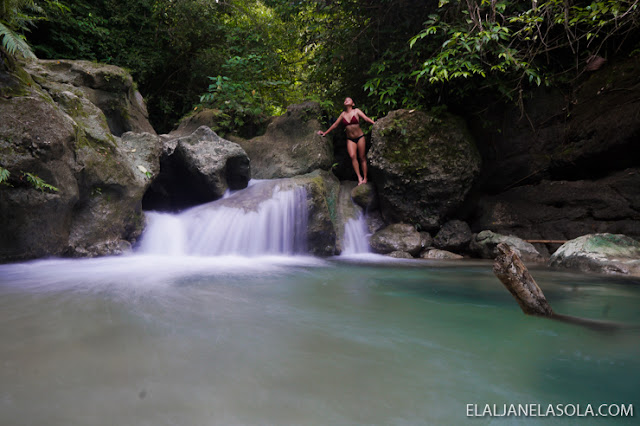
178, 340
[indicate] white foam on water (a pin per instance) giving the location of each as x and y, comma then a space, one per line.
277, 226
356, 240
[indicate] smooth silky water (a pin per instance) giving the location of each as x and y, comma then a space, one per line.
177, 339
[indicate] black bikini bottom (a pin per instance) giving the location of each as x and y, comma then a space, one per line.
356, 139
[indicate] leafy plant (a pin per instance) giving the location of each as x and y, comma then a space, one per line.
515, 43
14, 43
38, 183
4, 176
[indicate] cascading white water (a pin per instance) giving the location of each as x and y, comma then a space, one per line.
235, 225
355, 236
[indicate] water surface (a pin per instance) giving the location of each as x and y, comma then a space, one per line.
178, 340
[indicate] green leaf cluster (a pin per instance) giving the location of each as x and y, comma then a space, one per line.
508, 45
16, 18
34, 180
38, 183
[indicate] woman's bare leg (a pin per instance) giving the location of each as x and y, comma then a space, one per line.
363, 158
351, 149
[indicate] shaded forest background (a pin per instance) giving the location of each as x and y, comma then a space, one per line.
249, 59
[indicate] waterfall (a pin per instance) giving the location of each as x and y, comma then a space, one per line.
260, 220
355, 236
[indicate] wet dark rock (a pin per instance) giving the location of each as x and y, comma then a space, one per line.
396, 237
195, 169
563, 210
454, 235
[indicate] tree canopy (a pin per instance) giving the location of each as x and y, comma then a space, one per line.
251, 58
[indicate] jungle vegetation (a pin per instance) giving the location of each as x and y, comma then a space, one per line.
251, 58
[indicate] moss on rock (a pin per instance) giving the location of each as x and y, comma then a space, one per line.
422, 165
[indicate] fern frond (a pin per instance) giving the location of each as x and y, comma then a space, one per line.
14, 43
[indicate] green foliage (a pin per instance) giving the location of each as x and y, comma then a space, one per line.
37, 182
17, 17
32, 179
13, 43
4, 176
514, 44
251, 58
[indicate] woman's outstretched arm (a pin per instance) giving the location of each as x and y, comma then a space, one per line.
333, 126
364, 117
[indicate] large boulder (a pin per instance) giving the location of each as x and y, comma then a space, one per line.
290, 145
51, 132
563, 210
397, 237
455, 235
484, 245
606, 253
195, 169
423, 166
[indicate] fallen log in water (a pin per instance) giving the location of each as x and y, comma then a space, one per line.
516, 278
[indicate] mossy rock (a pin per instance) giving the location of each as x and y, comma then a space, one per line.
422, 165
51, 128
604, 253
290, 146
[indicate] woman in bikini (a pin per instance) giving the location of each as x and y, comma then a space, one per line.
350, 117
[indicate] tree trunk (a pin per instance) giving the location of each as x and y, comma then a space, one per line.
516, 278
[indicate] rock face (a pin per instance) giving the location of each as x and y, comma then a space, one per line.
566, 209
108, 87
422, 166
485, 243
606, 253
454, 235
590, 132
51, 128
290, 145
396, 237
195, 169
